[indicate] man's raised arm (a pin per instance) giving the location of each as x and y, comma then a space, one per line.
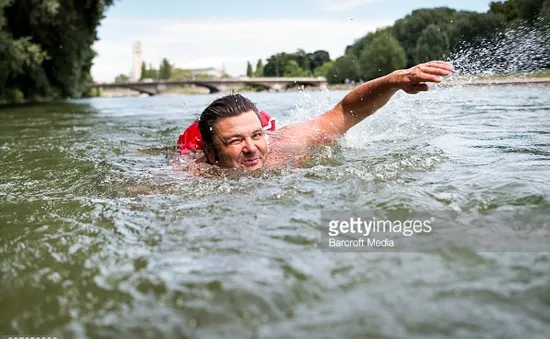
372, 95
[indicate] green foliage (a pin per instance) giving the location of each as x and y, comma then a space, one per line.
122, 78
293, 69
545, 13
433, 44
530, 9
344, 68
509, 9
284, 64
434, 33
382, 56
12, 95
303, 62
323, 70
149, 72
409, 29
45, 46
259, 69
470, 27
249, 71
318, 59
204, 76
165, 70
425, 34
181, 74
359, 46
144, 74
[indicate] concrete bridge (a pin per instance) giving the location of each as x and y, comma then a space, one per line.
216, 85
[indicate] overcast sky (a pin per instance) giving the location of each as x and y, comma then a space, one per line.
218, 33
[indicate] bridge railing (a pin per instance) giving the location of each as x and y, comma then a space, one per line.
311, 80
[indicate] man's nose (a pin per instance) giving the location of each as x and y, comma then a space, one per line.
249, 145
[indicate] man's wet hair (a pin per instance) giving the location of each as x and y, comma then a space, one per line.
231, 105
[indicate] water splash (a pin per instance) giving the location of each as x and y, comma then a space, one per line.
514, 51
310, 105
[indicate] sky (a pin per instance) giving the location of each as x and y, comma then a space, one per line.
221, 34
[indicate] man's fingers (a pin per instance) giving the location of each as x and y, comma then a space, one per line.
424, 77
435, 70
440, 64
422, 87
413, 89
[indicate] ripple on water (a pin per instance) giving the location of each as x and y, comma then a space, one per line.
103, 235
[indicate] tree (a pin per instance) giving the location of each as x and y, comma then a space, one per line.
165, 70
344, 68
181, 74
144, 71
259, 69
545, 12
317, 59
46, 50
303, 62
153, 73
324, 69
276, 64
470, 28
433, 44
382, 56
510, 9
530, 9
408, 30
249, 72
122, 78
359, 46
292, 69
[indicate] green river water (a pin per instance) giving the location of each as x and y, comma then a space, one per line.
103, 236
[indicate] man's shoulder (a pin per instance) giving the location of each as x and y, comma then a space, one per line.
300, 136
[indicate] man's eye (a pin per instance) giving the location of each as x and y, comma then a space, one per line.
257, 135
234, 142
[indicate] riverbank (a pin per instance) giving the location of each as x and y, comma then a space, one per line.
535, 79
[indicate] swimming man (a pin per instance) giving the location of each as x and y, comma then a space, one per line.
233, 136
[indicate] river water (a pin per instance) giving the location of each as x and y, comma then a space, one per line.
103, 235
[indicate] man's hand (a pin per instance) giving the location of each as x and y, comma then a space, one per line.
414, 80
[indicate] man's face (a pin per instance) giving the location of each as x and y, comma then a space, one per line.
240, 142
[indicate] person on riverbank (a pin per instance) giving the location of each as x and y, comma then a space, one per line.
233, 136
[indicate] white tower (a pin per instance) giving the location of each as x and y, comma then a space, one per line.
136, 62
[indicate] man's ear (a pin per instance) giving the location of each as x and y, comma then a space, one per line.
209, 153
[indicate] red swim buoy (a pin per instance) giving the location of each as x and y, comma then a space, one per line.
190, 140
